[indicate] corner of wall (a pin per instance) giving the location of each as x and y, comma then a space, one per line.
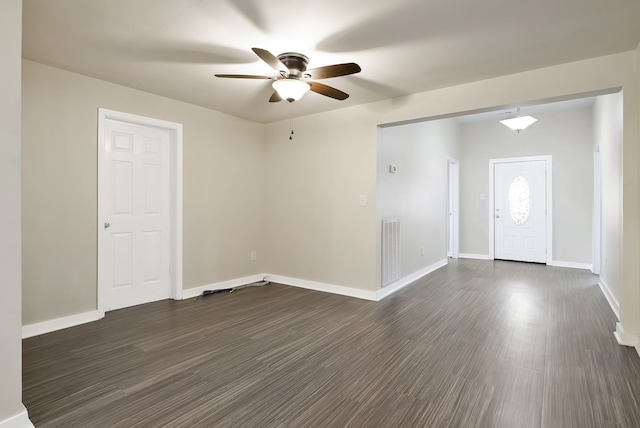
12, 412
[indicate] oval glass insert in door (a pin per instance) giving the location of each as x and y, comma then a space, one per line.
519, 200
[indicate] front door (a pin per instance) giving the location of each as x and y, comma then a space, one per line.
520, 199
135, 252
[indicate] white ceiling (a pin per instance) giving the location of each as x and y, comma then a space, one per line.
174, 47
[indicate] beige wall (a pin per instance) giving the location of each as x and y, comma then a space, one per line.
630, 293
312, 204
417, 193
316, 229
313, 224
566, 135
10, 308
223, 189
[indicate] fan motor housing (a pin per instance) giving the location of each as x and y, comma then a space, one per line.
295, 62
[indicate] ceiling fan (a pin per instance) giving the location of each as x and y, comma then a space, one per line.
294, 80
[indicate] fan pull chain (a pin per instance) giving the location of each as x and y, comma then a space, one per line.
291, 120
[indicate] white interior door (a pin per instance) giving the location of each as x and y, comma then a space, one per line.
135, 253
520, 211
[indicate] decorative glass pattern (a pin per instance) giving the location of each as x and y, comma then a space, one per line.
519, 200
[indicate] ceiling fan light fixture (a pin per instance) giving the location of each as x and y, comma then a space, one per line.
291, 89
519, 123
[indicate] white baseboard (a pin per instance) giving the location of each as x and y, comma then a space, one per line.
71, 321
403, 282
626, 339
21, 420
74, 320
236, 282
474, 256
39, 328
327, 288
321, 286
573, 265
613, 302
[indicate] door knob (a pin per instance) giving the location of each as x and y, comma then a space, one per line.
107, 225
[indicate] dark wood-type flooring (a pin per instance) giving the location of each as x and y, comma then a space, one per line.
474, 344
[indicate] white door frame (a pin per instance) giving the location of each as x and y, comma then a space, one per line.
597, 209
175, 215
453, 208
549, 216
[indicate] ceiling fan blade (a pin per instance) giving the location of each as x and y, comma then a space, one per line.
275, 97
328, 91
335, 70
243, 76
271, 59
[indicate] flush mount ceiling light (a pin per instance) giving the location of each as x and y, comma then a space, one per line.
518, 123
291, 89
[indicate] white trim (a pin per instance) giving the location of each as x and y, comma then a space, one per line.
175, 130
56, 324
626, 339
21, 420
176, 205
74, 320
597, 212
403, 282
78, 319
549, 181
475, 256
613, 302
572, 265
327, 288
236, 282
453, 168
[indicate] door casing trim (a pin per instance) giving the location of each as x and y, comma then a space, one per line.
549, 186
453, 167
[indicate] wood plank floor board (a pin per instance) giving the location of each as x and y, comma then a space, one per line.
526, 346
459, 403
343, 412
608, 398
93, 397
566, 398
396, 411
517, 398
474, 344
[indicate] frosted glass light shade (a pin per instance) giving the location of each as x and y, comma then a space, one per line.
291, 89
519, 123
